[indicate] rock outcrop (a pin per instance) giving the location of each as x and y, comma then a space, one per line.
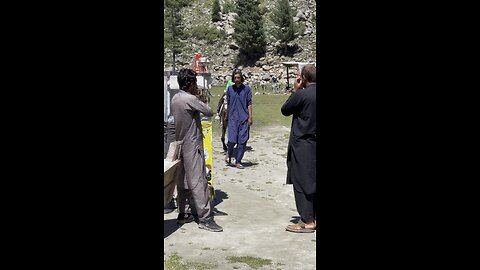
222, 53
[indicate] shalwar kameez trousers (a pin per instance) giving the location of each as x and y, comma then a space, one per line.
301, 155
193, 191
238, 98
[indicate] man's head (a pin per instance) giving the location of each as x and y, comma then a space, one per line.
187, 80
237, 77
309, 74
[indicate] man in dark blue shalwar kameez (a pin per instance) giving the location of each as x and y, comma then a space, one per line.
239, 98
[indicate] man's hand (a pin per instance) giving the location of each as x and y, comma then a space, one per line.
202, 98
298, 84
250, 122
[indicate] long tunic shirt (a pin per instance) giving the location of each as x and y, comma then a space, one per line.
238, 98
186, 109
301, 155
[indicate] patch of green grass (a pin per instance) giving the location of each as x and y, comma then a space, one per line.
201, 266
268, 182
206, 248
253, 262
174, 263
266, 110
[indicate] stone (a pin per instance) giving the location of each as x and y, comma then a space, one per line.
266, 68
301, 15
231, 16
229, 30
233, 46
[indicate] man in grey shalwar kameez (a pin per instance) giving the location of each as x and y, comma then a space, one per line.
186, 108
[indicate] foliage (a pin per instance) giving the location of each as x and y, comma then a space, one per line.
301, 28
216, 11
282, 17
249, 31
263, 8
209, 34
228, 6
173, 23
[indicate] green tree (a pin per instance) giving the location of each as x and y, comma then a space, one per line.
173, 28
249, 31
228, 6
282, 17
216, 11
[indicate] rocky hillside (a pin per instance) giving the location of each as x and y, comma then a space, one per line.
222, 52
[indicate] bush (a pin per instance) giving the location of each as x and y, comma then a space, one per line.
216, 11
209, 34
228, 7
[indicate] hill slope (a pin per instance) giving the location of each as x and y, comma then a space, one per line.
222, 51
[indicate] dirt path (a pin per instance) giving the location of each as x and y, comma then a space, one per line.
259, 206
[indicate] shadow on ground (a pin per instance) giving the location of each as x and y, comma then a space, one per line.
247, 149
219, 197
249, 164
169, 227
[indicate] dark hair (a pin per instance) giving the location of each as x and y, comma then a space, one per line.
237, 71
309, 71
186, 77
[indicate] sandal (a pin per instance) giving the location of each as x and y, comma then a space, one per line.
239, 166
299, 228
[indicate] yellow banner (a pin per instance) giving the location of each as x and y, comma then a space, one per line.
208, 147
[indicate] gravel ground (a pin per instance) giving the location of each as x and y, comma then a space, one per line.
258, 205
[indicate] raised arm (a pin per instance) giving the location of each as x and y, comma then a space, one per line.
290, 106
197, 105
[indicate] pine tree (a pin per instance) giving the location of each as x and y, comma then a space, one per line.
216, 11
249, 32
282, 17
173, 31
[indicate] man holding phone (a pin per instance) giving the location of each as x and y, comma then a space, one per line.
192, 187
301, 156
